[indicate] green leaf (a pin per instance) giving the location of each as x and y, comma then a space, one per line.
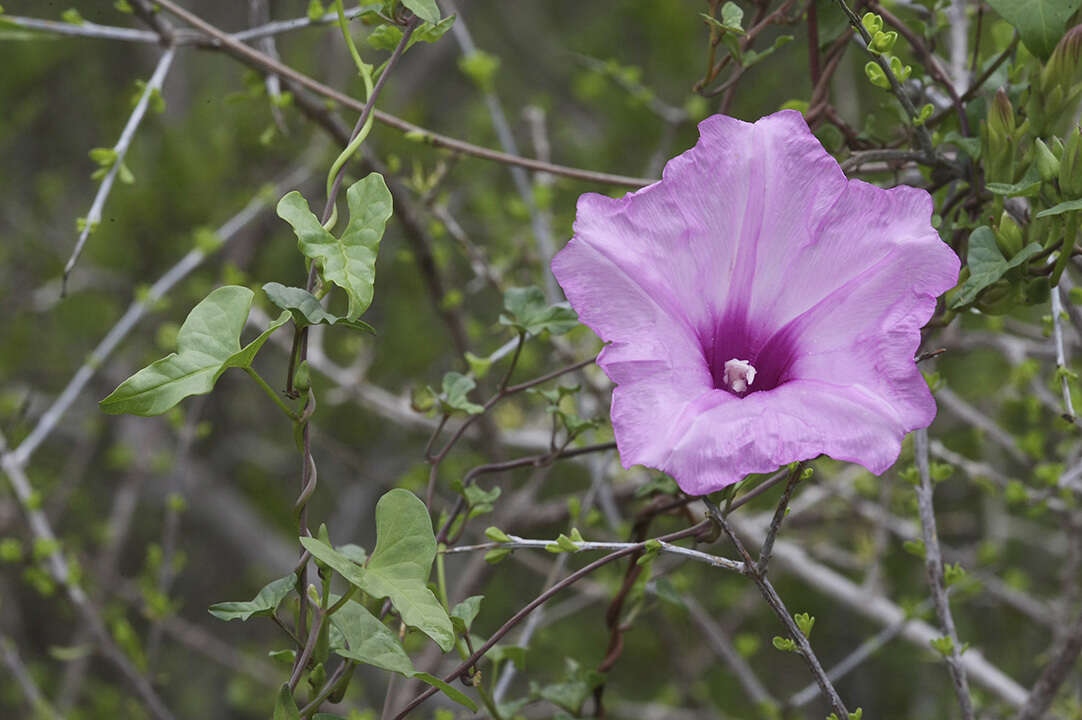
284, 707
265, 602
1063, 207
987, 264
1029, 185
752, 57
1041, 23
424, 9
208, 344
464, 613
528, 312
340, 563
350, 261
387, 37
400, 565
370, 641
305, 308
456, 388
451, 692
732, 16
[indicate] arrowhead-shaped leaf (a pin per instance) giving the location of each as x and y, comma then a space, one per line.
207, 345
1041, 23
306, 309
400, 565
265, 602
350, 261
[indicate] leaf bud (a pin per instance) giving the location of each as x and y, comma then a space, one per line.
1047, 164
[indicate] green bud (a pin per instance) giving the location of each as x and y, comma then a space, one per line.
876, 75
1009, 237
872, 23
999, 140
1047, 164
1038, 290
883, 42
1062, 68
302, 377
1070, 168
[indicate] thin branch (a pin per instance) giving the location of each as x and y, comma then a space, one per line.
665, 547
120, 150
61, 573
135, 312
877, 608
254, 58
539, 220
9, 654
540, 600
1054, 674
851, 662
779, 515
775, 602
1061, 355
934, 566
924, 138
84, 29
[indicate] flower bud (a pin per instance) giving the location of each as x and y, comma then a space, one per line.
1001, 114
1062, 68
1009, 238
1047, 164
1070, 167
999, 140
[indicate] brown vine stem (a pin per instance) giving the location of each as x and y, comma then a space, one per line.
541, 600
768, 592
251, 56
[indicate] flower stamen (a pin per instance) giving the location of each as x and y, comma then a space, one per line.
739, 375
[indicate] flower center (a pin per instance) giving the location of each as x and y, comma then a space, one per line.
739, 375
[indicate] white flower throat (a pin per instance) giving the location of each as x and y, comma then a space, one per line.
739, 375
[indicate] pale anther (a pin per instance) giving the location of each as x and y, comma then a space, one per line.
739, 375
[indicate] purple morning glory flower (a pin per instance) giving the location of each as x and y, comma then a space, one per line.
760, 307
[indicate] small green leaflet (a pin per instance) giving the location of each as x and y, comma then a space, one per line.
387, 37
371, 642
1041, 23
349, 261
455, 396
1063, 207
265, 602
463, 614
987, 264
208, 344
306, 309
528, 312
424, 9
399, 566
